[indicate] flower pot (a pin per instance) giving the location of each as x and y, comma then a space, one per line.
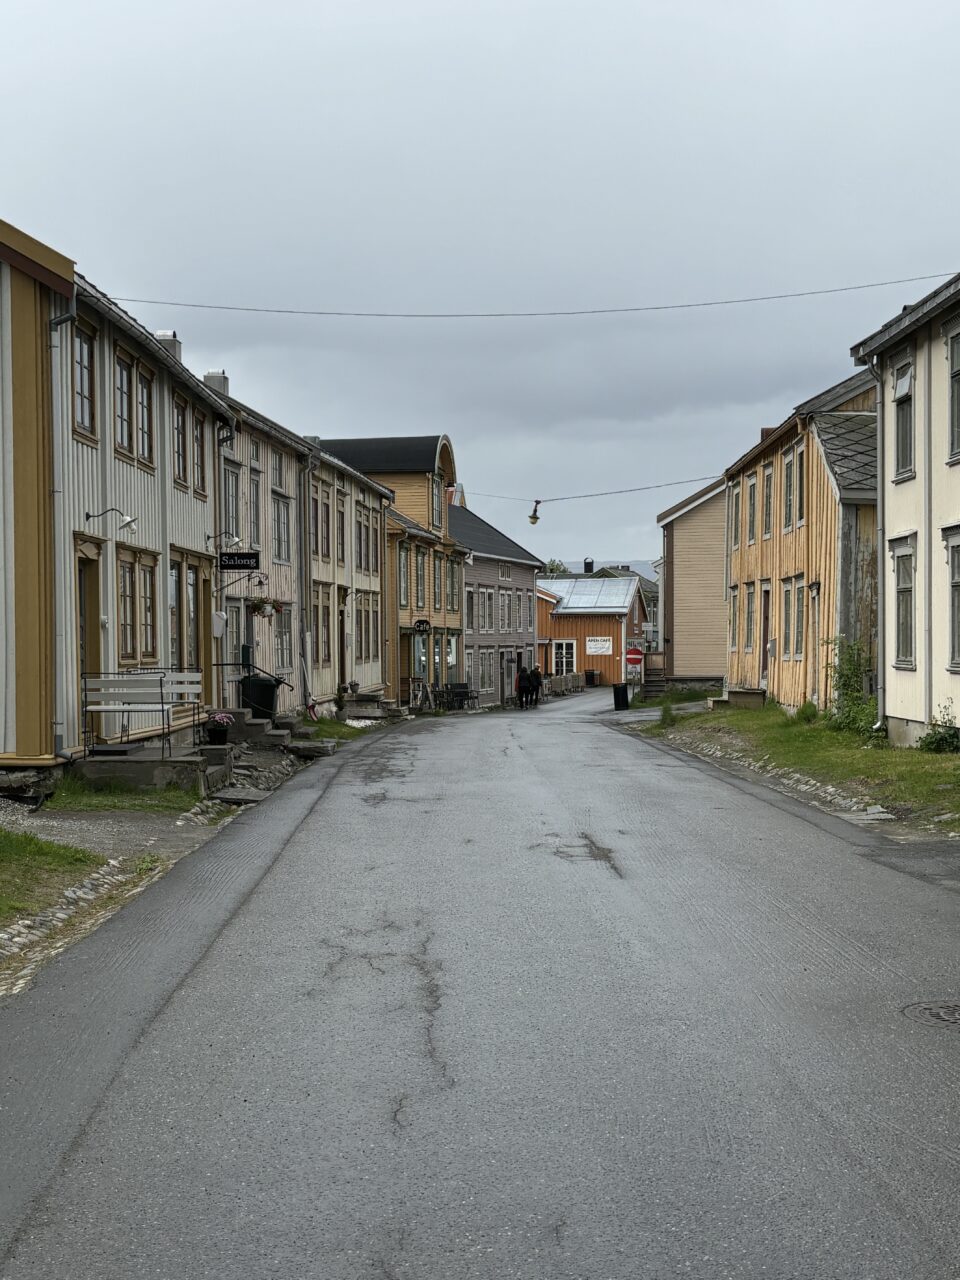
354, 686
342, 713
217, 734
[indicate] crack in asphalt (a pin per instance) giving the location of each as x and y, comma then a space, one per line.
431, 999
589, 851
398, 1119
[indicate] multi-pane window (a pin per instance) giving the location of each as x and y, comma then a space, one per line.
437, 581
358, 630
276, 476
767, 501
123, 405
955, 396
281, 529
180, 462
325, 525
144, 417
733, 618
518, 611
127, 587
315, 633
437, 502
375, 629
175, 587
748, 622
453, 585
231, 501
468, 604
283, 638
314, 524
421, 577
255, 513
788, 490
84, 415
798, 618
366, 629
148, 611
468, 667
358, 549
752, 509
366, 540
192, 617
505, 611
403, 573
199, 453
955, 604
255, 452
504, 571
341, 532
903, 562
735, 516
491, 617
801, 484
787, 618
903, 402
325, 629
234, 633
530, 610
375, 548
564, 657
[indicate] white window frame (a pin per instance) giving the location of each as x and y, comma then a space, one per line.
767, 501
735, 516
799, 618
733, 622
903, 407
789, 491
904, 550
786, 619
750, 616
564, 646
280, 527
953, 355
752, 509
504, 572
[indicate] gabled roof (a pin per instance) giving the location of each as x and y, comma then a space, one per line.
99, 301
837, 395
944, 297
695, 499
849, 442
593, 595
410, 526
387, 455
484, 540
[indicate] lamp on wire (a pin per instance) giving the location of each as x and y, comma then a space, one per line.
232, 540
126, 522
533, 517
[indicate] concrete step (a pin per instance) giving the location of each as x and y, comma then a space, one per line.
250, 730
240, 795
312, 750
276, 738
215, 777
238, 713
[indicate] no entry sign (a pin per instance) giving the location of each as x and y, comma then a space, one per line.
634, 657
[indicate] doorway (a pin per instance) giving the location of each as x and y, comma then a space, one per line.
764, 633
342, 641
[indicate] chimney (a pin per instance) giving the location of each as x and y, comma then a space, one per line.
588, 566
766, 431
217, 380
170, 342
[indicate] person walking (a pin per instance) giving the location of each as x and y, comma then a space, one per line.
536, 684
522, 688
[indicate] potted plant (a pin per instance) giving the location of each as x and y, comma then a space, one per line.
354, 686
262, 607
218, 728
341, 705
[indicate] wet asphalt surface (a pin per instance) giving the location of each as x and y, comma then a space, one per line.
511, 995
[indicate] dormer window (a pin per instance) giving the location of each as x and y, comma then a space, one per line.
438, 502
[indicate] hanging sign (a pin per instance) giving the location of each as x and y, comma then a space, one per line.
239, 559
422, 624
597, 646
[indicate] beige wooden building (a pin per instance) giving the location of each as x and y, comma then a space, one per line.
801, 545
693, 607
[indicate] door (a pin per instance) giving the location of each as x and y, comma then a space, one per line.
564, 657
342, 643
88, 627
764, 633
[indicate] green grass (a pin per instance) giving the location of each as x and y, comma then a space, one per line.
34, 873
906, 781
76, 795
330, 728
681, 695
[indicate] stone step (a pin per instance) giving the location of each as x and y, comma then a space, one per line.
250, 730
276, 738
240, 795
312, 750
238, 713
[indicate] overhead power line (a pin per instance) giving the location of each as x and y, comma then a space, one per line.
609, 493
529, 315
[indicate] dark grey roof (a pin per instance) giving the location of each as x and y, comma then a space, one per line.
849, 443
911, 317
650, 589
862, 380
411, 526
484, 540
385, 455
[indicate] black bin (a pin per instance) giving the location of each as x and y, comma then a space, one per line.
621, 699
592, 678
259, 695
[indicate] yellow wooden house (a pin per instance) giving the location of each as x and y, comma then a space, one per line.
801, 546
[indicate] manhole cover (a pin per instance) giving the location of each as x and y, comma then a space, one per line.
937, 1013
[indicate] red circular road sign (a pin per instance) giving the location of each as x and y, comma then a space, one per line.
634, 657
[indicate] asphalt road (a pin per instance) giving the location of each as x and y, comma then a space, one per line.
499, 996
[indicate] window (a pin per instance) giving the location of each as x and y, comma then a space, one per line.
255, 453
530, 610
358, 541
366, 629
341, 532
735, 516
733, 617
487, 615
788, 490
437, 502
281, 529
798, 612
123, 406
325, 525
452, 662
421, 577
144, 417
453, 585
403, 573
314, 525
505, 611
255, 514
468, 667
175, 588
954, 551
192, 618
748, 623
801, 484
366, 540
955, 396
767, 501
325, 630
437, 581
358, 630
420, 656
375, 547
148, 611
787, 618
276, 475
84, 385
564, 657
315, 633
283, 638
199, 453
180, 442
504, 571
903, 442
468, 606
752, 509
231, 501
375, 629
128, 638
903, 572
233, 634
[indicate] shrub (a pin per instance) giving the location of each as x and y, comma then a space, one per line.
852, 709
806, 713
943, 735
667, 717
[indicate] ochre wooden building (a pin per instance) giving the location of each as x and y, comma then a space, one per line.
584, 623
801, 545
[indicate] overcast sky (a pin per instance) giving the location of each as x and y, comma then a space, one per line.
476, 155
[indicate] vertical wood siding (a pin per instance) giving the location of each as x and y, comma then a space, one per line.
698, 630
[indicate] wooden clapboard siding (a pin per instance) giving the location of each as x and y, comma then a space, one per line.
577, 627
697, 632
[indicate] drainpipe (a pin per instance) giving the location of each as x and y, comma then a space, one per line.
876, 368
62, 572
928, 530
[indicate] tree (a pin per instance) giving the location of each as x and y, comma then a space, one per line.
556, 566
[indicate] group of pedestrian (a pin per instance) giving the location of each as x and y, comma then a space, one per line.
527, 687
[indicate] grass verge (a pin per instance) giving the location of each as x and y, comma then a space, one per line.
76, 795
681, 695
907, 782
330, 728
34, 872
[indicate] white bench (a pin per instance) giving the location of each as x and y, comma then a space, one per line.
142, 692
